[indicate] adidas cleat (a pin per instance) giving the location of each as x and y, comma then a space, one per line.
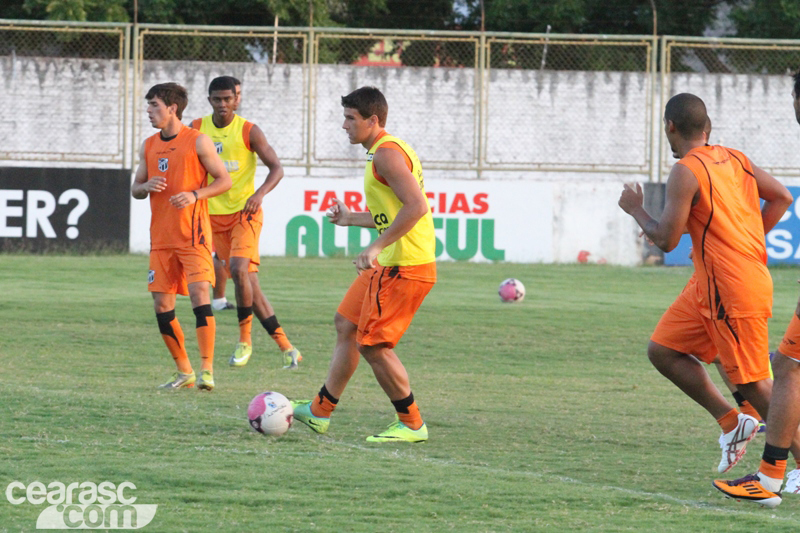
748, 488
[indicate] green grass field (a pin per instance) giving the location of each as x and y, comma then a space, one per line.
543, 415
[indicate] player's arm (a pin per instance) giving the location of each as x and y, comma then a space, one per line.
776, 196
141, 186
207, 154
259, 144
392, 166
680, 194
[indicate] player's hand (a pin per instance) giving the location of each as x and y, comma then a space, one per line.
253, 204
648, 239
338, 213
364, 260
155, 184
631, 198
183, 199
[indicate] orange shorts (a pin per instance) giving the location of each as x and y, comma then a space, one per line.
790, 345
172, 269
383, 302
741, 343
236, 235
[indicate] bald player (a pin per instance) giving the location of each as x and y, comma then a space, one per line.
715, 193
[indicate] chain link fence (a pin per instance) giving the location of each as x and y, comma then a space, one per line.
66, 85
430, 83
747, 88
272, 67
569, 102
471, 104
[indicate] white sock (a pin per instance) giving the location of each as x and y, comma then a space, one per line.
770, 483
219, 303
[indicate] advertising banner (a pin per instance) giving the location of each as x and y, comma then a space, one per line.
64, 209
474, 221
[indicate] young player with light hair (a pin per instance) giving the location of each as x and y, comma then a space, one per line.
173, 165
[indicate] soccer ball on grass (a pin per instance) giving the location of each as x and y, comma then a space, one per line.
511, 290
270, 413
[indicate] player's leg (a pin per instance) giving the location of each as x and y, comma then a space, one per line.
743, 405
316, 413
244, 310
198, 265
266, 315
389, 309
220, 301
165, 281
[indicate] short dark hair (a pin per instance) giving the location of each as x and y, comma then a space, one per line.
170, 93
688, 113
222, 83
796, 77
368, 101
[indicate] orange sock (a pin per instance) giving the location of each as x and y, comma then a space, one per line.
173, 337
408, 412
748, 409
245, 324
276, 332
324, 404
776, 470
206, 331
729, 421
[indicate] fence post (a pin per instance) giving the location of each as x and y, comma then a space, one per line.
481, 108
311, 61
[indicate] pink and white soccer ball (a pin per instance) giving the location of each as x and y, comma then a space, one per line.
270, 413
511, 290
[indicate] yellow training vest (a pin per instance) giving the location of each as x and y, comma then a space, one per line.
234, 150
418, 246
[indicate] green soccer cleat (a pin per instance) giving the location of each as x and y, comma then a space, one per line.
399, 432
302, 412
206, 381
291, 357
241, 354
179, 381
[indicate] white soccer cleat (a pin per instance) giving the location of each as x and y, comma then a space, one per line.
792, 482
734, 442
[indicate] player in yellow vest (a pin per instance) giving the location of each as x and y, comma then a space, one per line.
237, 217
396, 272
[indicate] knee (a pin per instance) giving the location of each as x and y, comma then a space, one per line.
343, 326
239, 273
658, 354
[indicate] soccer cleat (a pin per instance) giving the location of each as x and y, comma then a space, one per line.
792, 482
399, 432
748, 488
762, 426
206, 381
179, 381
241, 354
302, 412
734, 442
291, 357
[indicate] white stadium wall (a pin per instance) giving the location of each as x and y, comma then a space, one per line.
536, 120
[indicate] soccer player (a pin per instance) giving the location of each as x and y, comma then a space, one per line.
714, 192
220, 301
237, 216
396, 272
783, 418
173, 165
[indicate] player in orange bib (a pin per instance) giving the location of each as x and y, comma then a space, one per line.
715, 193
173, 165
237, 216
764, 487
396, 272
